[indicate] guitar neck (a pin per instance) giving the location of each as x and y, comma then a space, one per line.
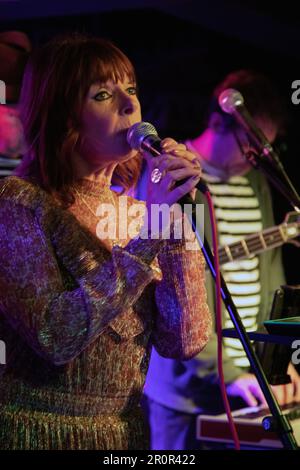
256, 243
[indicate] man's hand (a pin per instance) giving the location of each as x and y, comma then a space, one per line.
247, 387
288, 393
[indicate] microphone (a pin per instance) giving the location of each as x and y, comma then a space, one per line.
144, 136
232, 102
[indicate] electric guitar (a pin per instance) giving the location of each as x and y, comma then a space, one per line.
262, 241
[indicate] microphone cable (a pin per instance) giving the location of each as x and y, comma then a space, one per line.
219, 321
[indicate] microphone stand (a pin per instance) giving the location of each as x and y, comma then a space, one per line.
272, 168
284, 428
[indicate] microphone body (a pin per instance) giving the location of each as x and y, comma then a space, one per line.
143, 136
232, 102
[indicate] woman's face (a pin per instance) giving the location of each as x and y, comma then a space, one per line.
109, 110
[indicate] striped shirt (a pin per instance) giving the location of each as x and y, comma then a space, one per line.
238, 214
8, 165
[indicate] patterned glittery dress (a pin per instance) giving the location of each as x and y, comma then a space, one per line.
79, 317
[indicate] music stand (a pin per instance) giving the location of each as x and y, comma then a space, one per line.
275, 358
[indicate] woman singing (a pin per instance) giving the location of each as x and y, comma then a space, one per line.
80, 313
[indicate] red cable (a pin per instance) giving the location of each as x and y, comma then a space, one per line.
219, 321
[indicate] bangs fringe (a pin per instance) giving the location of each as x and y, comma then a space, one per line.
112, 65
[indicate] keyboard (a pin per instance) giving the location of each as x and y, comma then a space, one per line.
249, 427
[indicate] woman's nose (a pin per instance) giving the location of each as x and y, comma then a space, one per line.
128, 104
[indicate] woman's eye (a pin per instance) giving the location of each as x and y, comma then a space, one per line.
102, 95
132, 90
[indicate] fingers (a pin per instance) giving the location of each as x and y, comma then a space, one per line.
296, 384
297, 395
187, 155
295, 377
184, 188
174, 176
256, 391
169, 162
174, 165
247, 387
288, 393
248, 397
171, 147
284, 394
168, 144
279, 393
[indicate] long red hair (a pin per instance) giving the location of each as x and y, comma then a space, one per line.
56, 82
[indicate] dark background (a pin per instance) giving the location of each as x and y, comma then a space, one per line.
181, 50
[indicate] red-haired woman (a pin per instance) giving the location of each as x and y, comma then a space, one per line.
79, 314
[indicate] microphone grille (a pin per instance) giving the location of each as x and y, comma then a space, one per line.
230, 99
137, 133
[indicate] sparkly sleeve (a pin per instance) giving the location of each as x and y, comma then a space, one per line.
183, 323
56, 322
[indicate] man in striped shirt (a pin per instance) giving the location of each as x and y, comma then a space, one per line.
178, 391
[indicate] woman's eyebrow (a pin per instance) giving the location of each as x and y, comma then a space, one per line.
101, 84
